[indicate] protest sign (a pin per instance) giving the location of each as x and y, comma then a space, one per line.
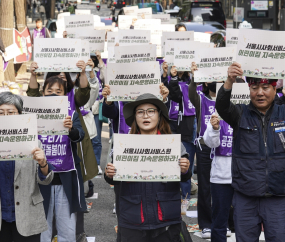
178, 36
261, 53
202, 37
144, 13
131, 54
184, 53
165, 18
18, 136
111, 55
139, 158
213, 63
169, 50
128, 81
232, 37
50, 111
131, 10
111, 37
85, 54
156, 40
76, 22
11, 51
57, 55
62, 15
133, 37
146, 24
125, 21
96, 39
60, 28
96, 18
82, 11
23, 41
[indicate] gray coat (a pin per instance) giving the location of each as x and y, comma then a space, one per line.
29, 209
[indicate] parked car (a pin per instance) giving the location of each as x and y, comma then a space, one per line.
106, 20
202, 12
217, 31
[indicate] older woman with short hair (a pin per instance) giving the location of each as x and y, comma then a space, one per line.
22, 212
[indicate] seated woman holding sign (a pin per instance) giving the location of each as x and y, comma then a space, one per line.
65, 196
149, 211
22, 211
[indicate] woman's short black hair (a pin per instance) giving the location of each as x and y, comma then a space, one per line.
177, 26
69, 84
49, 82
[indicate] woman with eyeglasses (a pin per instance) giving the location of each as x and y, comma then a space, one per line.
22, 211
149, 211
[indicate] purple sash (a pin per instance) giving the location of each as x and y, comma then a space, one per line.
188, 108
100, 96
40, 33
199, 90
280, 94
173, 110
207, 109
123, 127
226, 140
71, 104
58, 152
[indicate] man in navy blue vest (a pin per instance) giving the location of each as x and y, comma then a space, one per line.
258, 160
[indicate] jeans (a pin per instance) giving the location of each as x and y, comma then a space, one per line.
65, 222
222, 196
250, 212
204, 192
96, 141
186, 186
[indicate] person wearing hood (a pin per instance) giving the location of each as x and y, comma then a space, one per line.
143, 218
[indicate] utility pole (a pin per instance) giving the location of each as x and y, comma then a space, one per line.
52, 9
6, 33
20, 15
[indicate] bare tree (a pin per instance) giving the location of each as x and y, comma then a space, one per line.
6, 32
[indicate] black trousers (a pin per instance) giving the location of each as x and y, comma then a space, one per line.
9, 233
204, 190
172, 234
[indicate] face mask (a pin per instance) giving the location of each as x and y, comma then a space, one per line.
212, 86
52, 95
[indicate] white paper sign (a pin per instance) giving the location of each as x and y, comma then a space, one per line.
147, 24
50, 111
125, 21
184, 53
62, 15
178, 35
139, 158
261, 53
60, 27
133, 37
111, 37
85, 54
202, 37
18, 136
12, 51
131, 10
165, 18
82, 11
74, 22
57, 55
232, 37
213, 63
96, 39
144, 13
128, 81
111, 55
131, 54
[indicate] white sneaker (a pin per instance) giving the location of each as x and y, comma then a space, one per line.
206, 233
114, 209
99, 170
229, 232
110, 140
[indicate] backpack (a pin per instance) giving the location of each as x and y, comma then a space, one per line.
184, 234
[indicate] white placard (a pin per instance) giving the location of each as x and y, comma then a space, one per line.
131, 54
178, 35
232, 37
99, 26
62, 15
75, 22
202, 37
165, 18
60, 27
184, 53
133, 37
125, 21
82, 11
139, 158
85, 54
12, 51
97, 19
57, 55
111, 37
147, 24
18, 136
213, 63
50, 111
96, 39
261, 53
131, 10
58, 36
128, 81
111, 54
144, 13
